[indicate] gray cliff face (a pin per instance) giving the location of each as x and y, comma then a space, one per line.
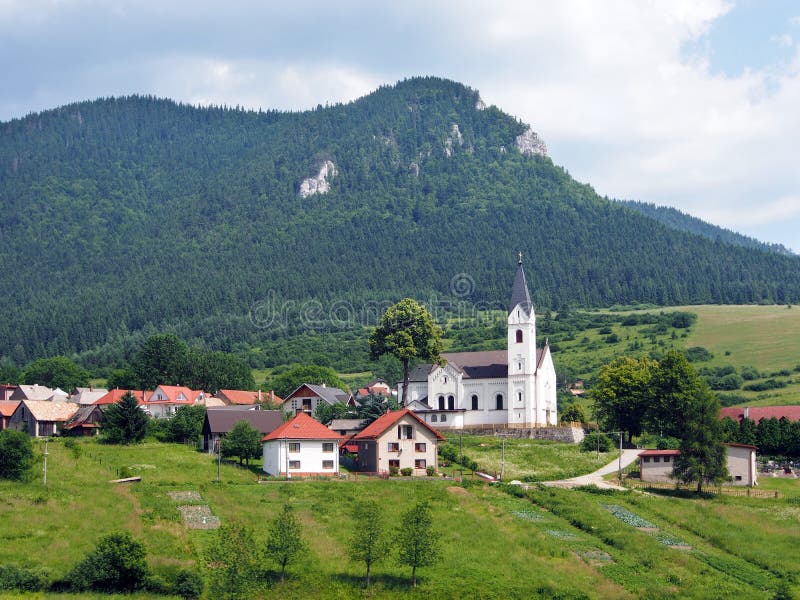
320, 184
530, 144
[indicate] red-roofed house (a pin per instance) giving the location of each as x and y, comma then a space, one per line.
115, 395
756, 413
397, 439
7, 408
656, 465
166, 399
243, 397
301, 447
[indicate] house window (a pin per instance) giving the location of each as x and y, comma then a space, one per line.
656, 459
519, 397
327, 446
327, 464
394, 446
434, 418
738, 478
646, 459
420, 463
294, 446
451, 403
405, 432
294, 464
499, 402
666, 459
444, 418
474, 401
394, 462
420, 447
441, 402
519, 336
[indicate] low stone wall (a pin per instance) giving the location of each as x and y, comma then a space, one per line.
570, 435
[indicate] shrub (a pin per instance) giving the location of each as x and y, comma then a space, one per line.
188, 585
406, 471
750, 373
16, 454
698, 354
117, 564
763, 386
394, 471
21, 579
595, 440
430, 470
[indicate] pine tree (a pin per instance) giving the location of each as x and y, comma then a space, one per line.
124, 422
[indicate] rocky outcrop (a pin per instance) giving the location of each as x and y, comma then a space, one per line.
453, 139
531, 144
321, 183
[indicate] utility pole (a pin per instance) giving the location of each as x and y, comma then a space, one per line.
45, 460
461, 453
219, 460
619, 470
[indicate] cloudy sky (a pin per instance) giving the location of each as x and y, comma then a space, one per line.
687, 103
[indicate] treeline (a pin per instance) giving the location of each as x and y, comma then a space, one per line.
130, 216
773, 437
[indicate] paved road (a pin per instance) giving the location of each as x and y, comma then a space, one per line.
596, 478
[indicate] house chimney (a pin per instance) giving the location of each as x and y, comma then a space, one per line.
746, 412
272, 396
259, 396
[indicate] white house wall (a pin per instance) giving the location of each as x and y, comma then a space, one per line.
311, 457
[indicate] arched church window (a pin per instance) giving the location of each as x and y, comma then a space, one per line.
519, 336
474, 401
451, 403
441, 402
499, 402
519, 397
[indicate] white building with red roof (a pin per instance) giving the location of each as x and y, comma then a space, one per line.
657, 465
514, 387
301, 447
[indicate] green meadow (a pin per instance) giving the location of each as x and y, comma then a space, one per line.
548, 543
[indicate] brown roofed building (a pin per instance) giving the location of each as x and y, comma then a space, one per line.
41, 418
219, 421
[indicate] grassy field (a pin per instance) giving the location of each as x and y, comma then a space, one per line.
553, 544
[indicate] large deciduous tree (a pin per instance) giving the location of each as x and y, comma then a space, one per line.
407, 332
163, 359
117, 564
674, 386
56, 372
124, 422
623, 393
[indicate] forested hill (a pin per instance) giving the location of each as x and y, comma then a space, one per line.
136, 214
680, 220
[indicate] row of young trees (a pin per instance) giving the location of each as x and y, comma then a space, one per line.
774, 437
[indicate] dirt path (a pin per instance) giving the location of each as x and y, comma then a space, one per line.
596, 478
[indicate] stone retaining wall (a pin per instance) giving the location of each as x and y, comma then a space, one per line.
572, 435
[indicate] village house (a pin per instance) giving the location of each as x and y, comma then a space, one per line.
115, 395
87, 395
346, 427
37, 392
397, 440
234, 397
219, 422
41, 418
510, 388
86, 421
301, 447
308, 396
657, 465
7, 408
6, 389
166, 399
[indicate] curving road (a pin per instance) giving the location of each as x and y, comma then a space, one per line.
596, 478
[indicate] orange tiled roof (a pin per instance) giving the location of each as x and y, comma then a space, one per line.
302, 427
7, 407
382, 423
116, 395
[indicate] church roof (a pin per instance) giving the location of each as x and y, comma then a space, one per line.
489, 364
519, 291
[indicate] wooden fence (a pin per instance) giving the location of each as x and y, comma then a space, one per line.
725, 490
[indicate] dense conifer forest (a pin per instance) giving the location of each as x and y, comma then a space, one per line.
122, 217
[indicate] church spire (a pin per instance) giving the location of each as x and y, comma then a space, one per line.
519, 291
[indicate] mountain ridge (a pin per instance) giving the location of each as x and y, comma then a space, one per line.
138, 214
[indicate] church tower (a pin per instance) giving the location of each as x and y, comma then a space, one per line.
522, 404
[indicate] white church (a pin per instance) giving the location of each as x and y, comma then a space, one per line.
512, 388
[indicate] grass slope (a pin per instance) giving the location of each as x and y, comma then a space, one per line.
552, 544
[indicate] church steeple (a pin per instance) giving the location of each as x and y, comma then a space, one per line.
519, 291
